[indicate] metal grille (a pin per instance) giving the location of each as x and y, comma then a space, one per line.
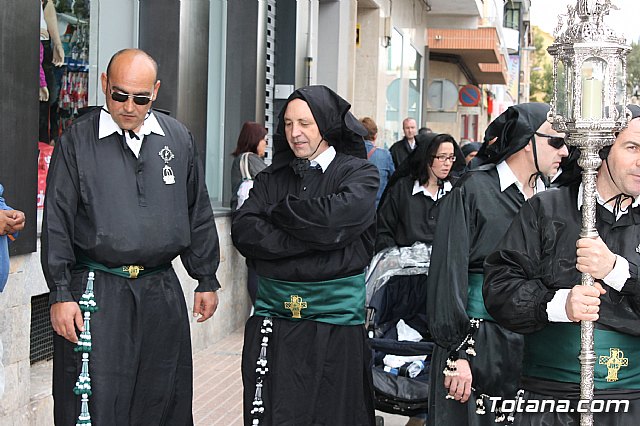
270, 85
41, 331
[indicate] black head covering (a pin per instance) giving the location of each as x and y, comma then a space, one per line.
336, 124
470, 147
514, 128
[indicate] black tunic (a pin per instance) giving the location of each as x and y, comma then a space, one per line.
472, 218
106, 204
400, 151
404, 218
316, 227
537, 257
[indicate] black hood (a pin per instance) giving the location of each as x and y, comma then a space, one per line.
336, 124
514, 128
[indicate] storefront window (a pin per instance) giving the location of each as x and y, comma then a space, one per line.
64, 36
403, 79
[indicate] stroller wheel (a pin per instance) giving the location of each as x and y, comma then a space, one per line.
379, 421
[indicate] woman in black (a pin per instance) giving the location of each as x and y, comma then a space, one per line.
408, 208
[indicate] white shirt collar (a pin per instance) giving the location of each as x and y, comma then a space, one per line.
324, 159
602, 201
420, 189
508, 178
107, 126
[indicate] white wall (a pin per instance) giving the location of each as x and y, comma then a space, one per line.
113, 26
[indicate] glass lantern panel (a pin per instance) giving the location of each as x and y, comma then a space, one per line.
562, 108
620, 84
593, 77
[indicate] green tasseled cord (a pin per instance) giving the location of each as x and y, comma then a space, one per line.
83, 384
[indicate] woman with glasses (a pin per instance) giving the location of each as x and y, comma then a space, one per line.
408, 208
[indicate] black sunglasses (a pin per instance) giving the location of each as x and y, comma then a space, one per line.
137, 99
556, 142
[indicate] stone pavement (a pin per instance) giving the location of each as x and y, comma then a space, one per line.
217, 386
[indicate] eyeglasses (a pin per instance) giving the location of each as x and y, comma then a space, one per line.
444, 157
556, 142
137, 99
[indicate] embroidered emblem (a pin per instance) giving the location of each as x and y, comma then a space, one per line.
133, 270
167, 173
638, 249
295, 305
614, 362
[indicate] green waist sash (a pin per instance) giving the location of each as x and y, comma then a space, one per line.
552, 354
475, 301
126, 271
340, 301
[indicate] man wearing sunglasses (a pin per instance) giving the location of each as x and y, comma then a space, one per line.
126, 195
533, 287
475, 358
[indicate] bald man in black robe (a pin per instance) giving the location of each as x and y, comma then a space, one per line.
125, 196
308, 229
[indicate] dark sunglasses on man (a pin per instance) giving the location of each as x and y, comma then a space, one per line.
137, 99
556, 142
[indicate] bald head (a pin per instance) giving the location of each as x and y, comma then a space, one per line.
130, 86
130, 56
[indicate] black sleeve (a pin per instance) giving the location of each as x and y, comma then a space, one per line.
202, 258
387, 220
513, 290
58, 223
447, 283
332, 221
266, 230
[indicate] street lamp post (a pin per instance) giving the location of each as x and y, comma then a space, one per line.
589, 106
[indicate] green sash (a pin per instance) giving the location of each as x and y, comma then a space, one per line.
340, 301
128, 271
475, 301
552, 353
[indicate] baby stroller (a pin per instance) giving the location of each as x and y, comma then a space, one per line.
397, 329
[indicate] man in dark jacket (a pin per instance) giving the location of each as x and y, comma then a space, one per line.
533, 287
405, 146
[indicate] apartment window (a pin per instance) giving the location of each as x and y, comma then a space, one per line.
512, 15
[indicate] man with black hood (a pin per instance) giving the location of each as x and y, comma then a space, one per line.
308, 229
533, 287
475, 358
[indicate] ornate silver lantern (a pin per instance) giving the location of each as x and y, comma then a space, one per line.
589, 105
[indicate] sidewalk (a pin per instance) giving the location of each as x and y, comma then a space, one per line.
217, 386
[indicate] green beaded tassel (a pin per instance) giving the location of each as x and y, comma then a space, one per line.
83, 384
84, 419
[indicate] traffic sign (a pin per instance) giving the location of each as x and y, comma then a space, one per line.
469, 95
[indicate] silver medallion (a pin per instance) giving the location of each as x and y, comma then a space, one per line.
167, 172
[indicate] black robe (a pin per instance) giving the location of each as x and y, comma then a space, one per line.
400, 151
316, 227
404, 218
472, 218
537, 257
104, 203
